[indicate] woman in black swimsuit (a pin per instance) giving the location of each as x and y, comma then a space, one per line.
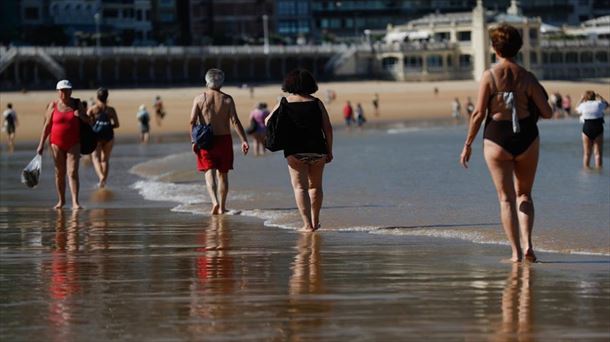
309, 142
106, 120
512, 99
591, 112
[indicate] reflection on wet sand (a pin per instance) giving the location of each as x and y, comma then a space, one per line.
101, 195
517, 305
97, 239
307, 308
214, 276
64, 273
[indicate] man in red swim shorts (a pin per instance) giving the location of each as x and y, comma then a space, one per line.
218, 109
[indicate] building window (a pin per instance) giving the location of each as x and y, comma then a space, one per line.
286, 8
533, 58
601, 56
413, 62
449, 61
571, 57
31, 13
435, 62
389, 63
533, 34
139, 15
302, 8
441, 36
465, 61
111, 13
556, 58
463, 36
586, 57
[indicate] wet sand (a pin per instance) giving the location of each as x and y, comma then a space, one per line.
399, 101
103, 274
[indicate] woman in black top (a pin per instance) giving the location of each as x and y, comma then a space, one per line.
310, 143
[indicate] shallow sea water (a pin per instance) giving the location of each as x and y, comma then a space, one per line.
126, 268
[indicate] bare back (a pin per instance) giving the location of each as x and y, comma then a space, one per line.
510, 78
216, 108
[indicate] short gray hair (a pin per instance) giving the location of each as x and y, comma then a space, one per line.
214, 78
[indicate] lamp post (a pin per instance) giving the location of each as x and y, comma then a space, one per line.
266, 34
97, 17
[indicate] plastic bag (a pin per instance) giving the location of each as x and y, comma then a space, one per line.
31, 174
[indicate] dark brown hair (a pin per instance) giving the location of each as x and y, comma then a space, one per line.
589, 95
102, 94
300, 81
506, 40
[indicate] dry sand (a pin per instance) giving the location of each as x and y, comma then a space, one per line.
398, 102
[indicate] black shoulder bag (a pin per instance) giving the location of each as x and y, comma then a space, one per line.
274, 137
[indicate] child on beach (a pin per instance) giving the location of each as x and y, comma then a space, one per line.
159, 110
348, 114
360, 119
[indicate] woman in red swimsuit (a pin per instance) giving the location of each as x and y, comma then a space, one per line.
62, 123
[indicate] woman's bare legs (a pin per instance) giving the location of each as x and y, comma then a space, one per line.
316, 194
300, 185
72, 162
96, 158
525, 173
586, 150
598, 145
59, 157
501, 167
104, 161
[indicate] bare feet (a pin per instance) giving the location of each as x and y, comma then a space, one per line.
215, 209
313, 229
59, 205
530, 256
101, 184
76, 206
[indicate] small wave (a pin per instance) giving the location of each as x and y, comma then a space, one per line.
404, 130
170, 192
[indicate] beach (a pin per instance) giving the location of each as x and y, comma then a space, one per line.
410, 247
399, 102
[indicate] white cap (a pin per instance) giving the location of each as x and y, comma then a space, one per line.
63, 84
142, 107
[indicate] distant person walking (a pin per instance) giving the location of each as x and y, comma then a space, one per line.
105, 120
360, 119
591, 109
348, 114
159, 110
144, 121
558, 106
62, 123
376, 104
310, 143
10, 124
218, 109
567, 105
456, 109
258, 131
469, 107
511, 142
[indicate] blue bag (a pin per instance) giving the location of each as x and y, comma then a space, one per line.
202, 136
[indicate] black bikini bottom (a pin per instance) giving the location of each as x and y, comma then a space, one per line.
593, 128
501, 133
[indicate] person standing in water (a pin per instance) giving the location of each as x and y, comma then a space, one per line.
62, 123
105, 121
348, 114
456, 109
360, 119
10, 125
591, 110
257, 117
376, 104
510, 138
469, 107
218, 109
159, 110
310, 144
144, 121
